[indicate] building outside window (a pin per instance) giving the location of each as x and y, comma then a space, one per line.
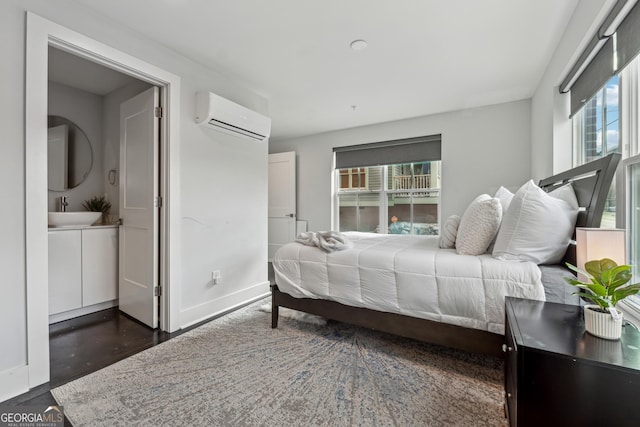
390, 199
596, 133
353, 178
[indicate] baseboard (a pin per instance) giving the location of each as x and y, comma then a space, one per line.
55, 318
223, 304
14, 382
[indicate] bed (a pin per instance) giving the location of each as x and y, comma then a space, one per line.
406, 285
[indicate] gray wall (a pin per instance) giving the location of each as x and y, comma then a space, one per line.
85, 110
551, 143
482, 148
227, 234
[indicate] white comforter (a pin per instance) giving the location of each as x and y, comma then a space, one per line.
408, 275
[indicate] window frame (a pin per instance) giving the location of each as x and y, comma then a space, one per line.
629, 147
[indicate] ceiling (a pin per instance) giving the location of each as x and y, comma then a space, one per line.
423, 56
71, 70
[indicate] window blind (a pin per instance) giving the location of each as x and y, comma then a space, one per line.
409, 150
616, 43
628, 38
597, 73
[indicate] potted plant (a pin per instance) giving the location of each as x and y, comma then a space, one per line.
98, 204
607, 287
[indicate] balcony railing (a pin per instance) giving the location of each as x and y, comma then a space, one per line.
415, 182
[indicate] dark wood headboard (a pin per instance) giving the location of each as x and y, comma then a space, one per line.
591, 183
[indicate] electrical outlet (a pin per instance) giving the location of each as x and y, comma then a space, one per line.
216, 277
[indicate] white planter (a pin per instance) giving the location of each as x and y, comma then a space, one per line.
602, 325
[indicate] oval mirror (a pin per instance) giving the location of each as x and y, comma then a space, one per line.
69, 154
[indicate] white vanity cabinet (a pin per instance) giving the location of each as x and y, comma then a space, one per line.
65, 270
83, 271
99, 265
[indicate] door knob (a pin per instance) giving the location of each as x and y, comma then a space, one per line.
291, 215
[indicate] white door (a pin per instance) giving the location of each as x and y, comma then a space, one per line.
138, 239
282, 200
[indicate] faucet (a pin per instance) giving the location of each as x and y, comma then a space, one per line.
63, 203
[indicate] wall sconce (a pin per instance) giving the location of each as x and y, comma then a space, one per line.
598, 243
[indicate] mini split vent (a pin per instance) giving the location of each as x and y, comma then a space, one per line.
218, 113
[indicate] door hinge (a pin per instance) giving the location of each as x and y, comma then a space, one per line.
157, 202
158, 112
157, 291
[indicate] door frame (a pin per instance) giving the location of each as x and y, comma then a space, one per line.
42, 33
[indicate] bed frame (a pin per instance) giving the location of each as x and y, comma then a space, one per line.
591, 183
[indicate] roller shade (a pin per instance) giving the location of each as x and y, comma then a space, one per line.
616, 43
409, 150
628, 37
593, 78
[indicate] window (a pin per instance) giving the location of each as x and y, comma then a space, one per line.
388, 187
598, 131
631, 170
397, 199
597, 124
353, 178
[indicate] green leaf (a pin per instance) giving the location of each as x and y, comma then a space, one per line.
616, 276
597, 289
577, 270
596, 267
627, 291
593, 298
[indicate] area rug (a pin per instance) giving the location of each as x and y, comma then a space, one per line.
237, 371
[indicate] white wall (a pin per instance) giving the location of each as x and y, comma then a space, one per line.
551, 150
84, 109
482, 148
238, 249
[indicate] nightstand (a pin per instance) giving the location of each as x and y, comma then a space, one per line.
558, 374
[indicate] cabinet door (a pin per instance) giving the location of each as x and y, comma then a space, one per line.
99, 265
65, 277
511, 375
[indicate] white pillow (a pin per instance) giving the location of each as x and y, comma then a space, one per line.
478, 225
538, 226
449, 232
505, 196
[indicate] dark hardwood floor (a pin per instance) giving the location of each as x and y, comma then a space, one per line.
80, 346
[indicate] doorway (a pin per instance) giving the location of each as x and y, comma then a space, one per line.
41, 34
91, 100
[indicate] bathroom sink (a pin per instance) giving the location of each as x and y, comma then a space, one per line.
72, 219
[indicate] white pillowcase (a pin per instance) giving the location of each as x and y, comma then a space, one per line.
537, 226
505, 196
449, 232
478, 225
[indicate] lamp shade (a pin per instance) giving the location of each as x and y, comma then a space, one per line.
598, 243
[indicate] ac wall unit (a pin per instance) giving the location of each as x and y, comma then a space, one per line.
218, 113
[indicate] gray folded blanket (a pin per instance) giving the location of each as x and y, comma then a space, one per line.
328, 241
